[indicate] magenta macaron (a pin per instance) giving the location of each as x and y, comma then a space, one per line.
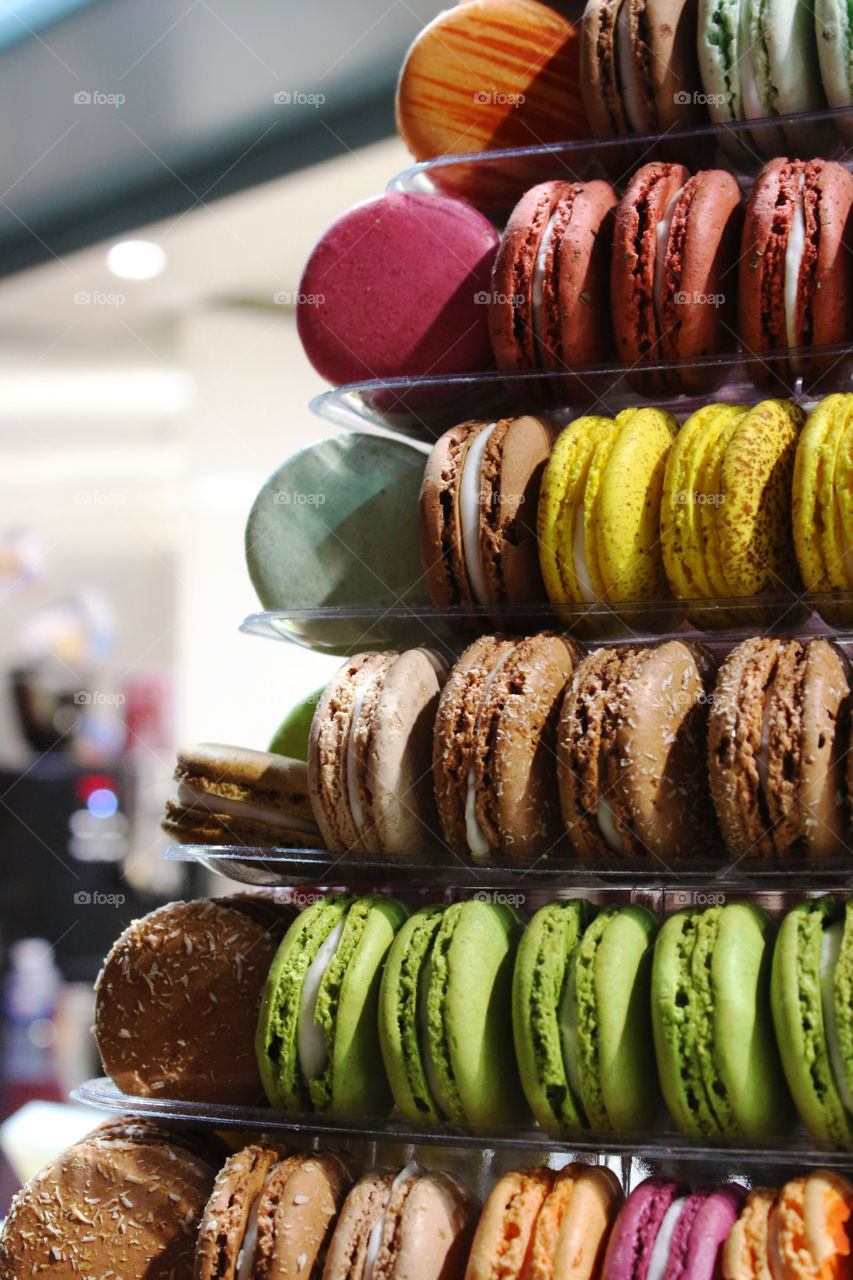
666, 1232
398, 287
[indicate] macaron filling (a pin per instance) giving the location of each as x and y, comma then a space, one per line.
829, 956
605, 818
374, 1240
537, 282
310, 1041
586, 590
793, 261
470, 483
246, 1254
569, 1021
362, 690
662, 232
424, 1038
626, 73
195, 798
663, 1240
753, 106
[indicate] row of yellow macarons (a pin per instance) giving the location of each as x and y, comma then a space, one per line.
738, 501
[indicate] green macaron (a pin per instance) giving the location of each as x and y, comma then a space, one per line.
445, 1023
581, 1017
316, 1042
291, 736
811, 992
717, 1059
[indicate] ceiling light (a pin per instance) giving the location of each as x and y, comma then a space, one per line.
136, 259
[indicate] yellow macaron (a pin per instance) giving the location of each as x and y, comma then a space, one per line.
822, 503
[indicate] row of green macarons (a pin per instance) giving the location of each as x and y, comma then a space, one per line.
584, 1017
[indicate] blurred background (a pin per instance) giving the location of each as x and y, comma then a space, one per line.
166, 168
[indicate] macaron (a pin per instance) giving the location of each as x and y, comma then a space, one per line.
130, 1208
369, 753
490, 74
808, 1233
392, 290
725, 511
550, 277
673, 278
581, 1024
316, 1039
545, 1225
477, 513
759, 58
795, 283
778, 737
631, 754
291, 736
395, 1226
832, 27
667, 1230
639, 71
270, 1215
745, 1254
233, 795
717, 1059
493, 743
177, 1001
599, 508
811, 992
445, 1015
822, 505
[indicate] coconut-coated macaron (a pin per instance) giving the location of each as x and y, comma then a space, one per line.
550, 276
795, 286
477, 512
778, 738
177, 1001
631, 753
369, 750
493, 744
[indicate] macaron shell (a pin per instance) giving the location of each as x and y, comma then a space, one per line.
833, 501
439, 523
428, 1228
784, 55
598, 79
515, 458
666, 54
628, 533
504, 1233
795, 996
813, 510
297, 1210
701, 1230
632, 1240
744, 1255
833, 48
589, 517
511, 320
828, 198
573, 1224
347, 1253
718, 46
843, 995
223, 1225
584, 232
710, 489
200, 826
808, 1234
843, 485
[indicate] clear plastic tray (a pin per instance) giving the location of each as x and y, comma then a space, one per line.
422, 408
349, 629
792, 1151
742, 147
445, 873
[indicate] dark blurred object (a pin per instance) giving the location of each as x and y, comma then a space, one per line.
48, 716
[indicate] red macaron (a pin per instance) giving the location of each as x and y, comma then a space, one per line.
672, 281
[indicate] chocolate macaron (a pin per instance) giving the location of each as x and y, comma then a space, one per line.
493, 746
369, 752
477, 513
631, 753
270, 1215
777, 739
796, 271
672, 282
549, 278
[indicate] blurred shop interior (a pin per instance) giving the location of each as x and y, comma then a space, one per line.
169, 169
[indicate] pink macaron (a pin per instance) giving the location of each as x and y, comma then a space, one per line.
398, 287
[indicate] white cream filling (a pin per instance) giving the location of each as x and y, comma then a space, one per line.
478, 841
310, 1042
537, 284
793, 261
374, 1242
662, 231
830, 952
581, 568
195, 798
626, 72
752, 106
352, 784
246, 1256
663, 1240
607, 826
568, 1016
424, 981
469, 514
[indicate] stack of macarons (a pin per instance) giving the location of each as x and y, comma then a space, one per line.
800, 1229
667, 1228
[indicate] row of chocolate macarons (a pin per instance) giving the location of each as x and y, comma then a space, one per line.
612, 513
578, 1016
527, 749
144, 1201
